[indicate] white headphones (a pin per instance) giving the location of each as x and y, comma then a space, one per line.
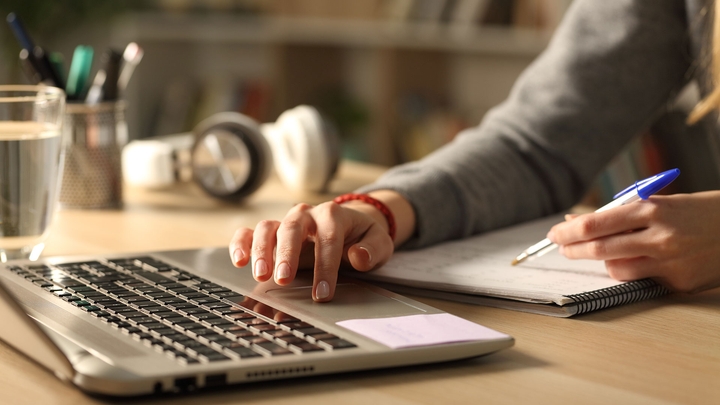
230, 155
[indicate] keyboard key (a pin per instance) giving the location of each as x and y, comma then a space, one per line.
229, 310
203, 332
252, 339
243, 352
214, 357
337, 344
305, 347
271, 349
100, 314
241, 333
205, 300
219, 322
297, 325
324, 336
265, 327
253, 322
175, 320
310, 331
68, 282
205, 317
154, 277
288, 340
278, 333
171, 300
134, 314
205, 286
240, 316
221, 342
191, 325
159, 294
42, 283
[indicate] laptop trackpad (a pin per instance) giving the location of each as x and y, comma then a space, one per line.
351, 301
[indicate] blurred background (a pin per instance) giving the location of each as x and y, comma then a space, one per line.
397, 77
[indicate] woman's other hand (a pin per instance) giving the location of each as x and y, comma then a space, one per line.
674, 239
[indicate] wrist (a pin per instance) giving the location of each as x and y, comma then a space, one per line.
371, 206
401, 209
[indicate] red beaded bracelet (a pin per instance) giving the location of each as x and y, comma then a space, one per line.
375, 203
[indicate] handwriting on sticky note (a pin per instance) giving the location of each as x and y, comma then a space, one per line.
421, 330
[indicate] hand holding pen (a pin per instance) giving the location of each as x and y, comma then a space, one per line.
673, 239
640, 190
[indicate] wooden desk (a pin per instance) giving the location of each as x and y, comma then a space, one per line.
662, 351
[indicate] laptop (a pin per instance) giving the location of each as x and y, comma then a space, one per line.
177, 321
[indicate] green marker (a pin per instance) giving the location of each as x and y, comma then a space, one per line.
79, 71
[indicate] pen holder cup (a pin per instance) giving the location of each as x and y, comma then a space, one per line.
94, 136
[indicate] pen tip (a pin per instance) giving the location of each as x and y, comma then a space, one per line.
514, 262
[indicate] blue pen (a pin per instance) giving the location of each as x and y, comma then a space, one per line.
641, 190
36, 54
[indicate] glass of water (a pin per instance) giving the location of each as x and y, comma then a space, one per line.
31, 156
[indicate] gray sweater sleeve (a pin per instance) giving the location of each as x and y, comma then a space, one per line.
608, 71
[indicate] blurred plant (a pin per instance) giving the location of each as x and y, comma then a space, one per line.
349, 118
49, 18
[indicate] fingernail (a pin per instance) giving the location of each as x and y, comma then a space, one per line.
237, 255
367, 252
260, 268
283, 271
322, 290
550, 235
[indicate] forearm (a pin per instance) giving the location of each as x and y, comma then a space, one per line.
567, 116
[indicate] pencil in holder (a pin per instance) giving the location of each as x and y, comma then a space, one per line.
94, 135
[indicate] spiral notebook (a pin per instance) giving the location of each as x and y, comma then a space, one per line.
478, 270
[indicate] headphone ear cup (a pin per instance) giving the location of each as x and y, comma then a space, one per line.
305, 151
230, 158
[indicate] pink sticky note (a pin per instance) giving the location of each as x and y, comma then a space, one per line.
420, 330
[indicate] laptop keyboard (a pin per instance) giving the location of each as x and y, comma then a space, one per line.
178, 313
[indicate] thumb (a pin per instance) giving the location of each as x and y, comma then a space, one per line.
372, 250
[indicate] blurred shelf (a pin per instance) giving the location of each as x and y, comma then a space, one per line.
347, 33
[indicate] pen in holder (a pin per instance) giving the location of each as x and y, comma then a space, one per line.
94, 135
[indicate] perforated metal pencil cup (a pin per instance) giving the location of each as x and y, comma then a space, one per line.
94, 135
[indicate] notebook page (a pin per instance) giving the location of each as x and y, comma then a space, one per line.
481, 265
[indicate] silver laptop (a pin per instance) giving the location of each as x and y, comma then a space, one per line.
178, 321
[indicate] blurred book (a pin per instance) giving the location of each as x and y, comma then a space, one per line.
428, 10
499, 12
468, 12
668, 143
253, 99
